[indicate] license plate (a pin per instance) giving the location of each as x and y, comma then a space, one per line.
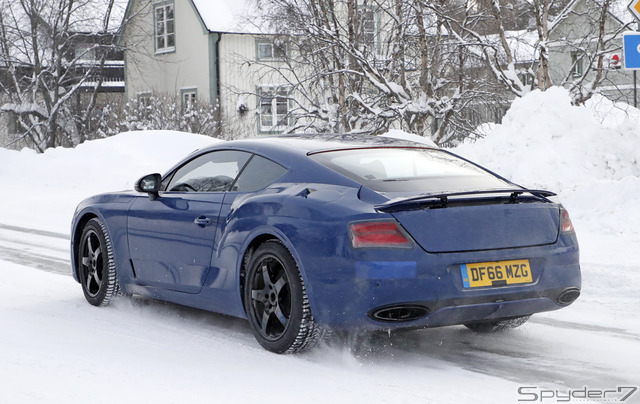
498, 273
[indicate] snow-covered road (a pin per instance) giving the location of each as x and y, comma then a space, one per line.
40, 249
56, 347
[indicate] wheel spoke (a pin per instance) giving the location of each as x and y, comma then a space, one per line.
265, 275
90, 249
280, 283
86, 261
258, 295
89, 278
96, 255
97, 278
265, 322
280, 316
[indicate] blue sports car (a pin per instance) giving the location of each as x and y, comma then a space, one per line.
305, 233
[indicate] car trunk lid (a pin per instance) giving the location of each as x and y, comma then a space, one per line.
476, 227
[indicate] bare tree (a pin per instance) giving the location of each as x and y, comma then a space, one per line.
541, 13
43, 70
594, 38
428, 64
368, 65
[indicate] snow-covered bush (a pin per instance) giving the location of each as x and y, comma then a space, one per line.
159, 113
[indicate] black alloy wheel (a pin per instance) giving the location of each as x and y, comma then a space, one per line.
96, 266
276, 301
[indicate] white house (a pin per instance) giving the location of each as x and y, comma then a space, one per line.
573, 37
203, 52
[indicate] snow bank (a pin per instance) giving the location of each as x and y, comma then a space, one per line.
42, 190
589, 155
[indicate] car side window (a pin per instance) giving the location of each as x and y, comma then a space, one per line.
259, 173
211, 172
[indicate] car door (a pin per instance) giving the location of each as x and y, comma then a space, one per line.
171, 237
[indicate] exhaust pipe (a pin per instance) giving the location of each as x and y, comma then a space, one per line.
399, 313
568, 296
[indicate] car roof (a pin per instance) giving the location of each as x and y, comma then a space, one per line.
308, 143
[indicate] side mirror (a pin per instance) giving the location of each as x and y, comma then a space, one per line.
149, 184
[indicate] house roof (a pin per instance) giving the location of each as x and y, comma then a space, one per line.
231, 16
88, 17
617, 8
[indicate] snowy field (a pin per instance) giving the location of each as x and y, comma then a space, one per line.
56, 348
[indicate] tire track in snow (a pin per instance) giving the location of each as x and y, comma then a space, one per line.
44, 250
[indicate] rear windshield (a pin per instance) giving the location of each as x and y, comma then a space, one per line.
409, 170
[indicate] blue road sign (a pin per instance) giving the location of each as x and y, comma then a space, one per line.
631, 50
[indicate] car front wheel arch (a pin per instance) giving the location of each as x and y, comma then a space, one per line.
95, 263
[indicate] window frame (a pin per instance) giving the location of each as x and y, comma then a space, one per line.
167, 5
374, 42
451, 173
144, 98
254, 158
168, 180
577, 64
262, 92
232, 187
188, 98
284, 50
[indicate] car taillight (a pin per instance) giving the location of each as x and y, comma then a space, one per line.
378, 233
565, 222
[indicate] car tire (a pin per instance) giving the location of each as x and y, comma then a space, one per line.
495, 326
276, 301
96, 265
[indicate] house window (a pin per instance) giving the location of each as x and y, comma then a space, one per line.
165, 28
526, 78
273, 108
144, 98
12, 125
85, 51
188, 97
271, 50
576, 64
370, 29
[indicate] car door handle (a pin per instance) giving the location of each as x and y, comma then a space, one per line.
202, 221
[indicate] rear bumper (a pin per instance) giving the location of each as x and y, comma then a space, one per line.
397, 292
462, 311
423, 314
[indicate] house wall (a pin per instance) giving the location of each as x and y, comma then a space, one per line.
187, 67
237, 85
241, 73
569, 35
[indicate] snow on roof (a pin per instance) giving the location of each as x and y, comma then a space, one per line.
89, 16
617, 8
234, 16
522, 43
86, 17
